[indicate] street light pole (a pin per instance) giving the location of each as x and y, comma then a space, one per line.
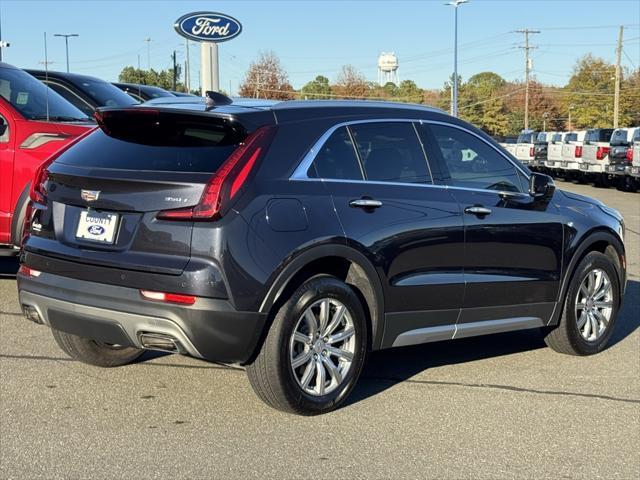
454, 102
66, 43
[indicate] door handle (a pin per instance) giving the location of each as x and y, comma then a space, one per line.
366, 203
478, 211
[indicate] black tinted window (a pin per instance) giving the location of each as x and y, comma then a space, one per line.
391, 152
202, 151
472, 163
72, 98
619, 137
337, 159
33, 99
571, 137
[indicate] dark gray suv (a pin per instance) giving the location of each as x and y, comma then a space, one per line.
295, 237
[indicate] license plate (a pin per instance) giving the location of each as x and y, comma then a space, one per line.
584, 167
635, 170
551, 164
97, 226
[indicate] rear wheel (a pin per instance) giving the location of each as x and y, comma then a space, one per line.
590, 308
94, 352
314, 352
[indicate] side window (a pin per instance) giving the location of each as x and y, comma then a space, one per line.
472, 163
391, 152
4, 130
336, 159
72, 98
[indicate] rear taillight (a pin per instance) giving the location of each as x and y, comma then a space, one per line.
531, 151
37, 191
169, 297
602, 152
578, 152
630, 155
29, 272
227, 181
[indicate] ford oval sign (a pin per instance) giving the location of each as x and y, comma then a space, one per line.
95, 230
208, 27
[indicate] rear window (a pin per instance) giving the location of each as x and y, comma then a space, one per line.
556, 137
571, 137
527, 137
619, 137
599, 135
391, 152
204, 150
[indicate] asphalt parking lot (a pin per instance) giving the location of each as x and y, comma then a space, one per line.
491, 407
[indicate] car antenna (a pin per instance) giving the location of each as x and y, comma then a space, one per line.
46, 75
214, 99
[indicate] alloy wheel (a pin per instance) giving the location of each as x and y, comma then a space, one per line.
322, 346
594, 305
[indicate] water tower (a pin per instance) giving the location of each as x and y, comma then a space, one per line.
387, 68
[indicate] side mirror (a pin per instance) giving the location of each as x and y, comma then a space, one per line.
3, 127
541, 186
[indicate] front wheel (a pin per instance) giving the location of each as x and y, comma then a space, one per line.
590, 308
314, 352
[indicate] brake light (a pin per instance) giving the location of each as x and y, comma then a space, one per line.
578, 152
602, 152
29, 272
531, 152
37, 191
169, 297
227, 180
630, 155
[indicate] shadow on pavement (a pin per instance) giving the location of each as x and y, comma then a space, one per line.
8, 267
386, 368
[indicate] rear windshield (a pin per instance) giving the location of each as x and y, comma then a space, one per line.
556, 137
105, 94
619, 137
527, 137
542, 137
34, 100
599, 135
571, 137
203, 151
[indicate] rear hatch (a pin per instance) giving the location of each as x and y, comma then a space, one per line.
104, 195
620, 143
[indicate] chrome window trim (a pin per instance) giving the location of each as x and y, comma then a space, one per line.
300, 173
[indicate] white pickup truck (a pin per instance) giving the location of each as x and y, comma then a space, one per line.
554, 151
622, 140
595, 154
525, 148
572, 153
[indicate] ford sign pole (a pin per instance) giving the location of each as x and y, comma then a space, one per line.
208, 28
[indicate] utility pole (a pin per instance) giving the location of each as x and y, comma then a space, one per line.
527, 69
66, 43
187, 71
175, 72
454, 91
148, 40
616, 101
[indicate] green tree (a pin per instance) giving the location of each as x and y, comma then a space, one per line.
390, 90
408, 91
162, 78
317, 88
590, 92
481, 103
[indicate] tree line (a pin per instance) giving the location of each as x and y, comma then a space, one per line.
485, 99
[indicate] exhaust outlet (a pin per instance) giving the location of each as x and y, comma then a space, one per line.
160, 341
31, 313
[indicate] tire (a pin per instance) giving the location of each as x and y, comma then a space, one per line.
272, 374
568, 337
93, 352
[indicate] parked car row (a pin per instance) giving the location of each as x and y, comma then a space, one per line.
36, 121
604, 156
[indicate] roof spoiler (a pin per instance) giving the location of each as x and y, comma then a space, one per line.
215, 99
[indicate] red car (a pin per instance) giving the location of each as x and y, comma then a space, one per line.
35, 122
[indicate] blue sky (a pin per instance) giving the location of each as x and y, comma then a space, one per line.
317, 37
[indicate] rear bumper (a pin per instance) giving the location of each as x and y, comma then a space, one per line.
210, 329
